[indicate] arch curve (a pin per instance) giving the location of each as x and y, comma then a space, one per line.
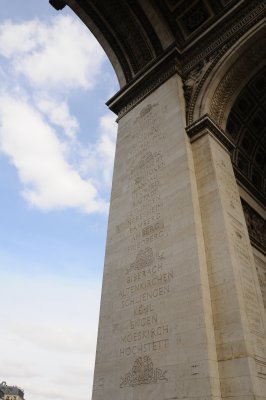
128, 36
230, 75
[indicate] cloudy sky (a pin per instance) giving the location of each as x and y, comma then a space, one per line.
57, 141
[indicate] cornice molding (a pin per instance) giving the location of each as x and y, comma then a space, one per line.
146, 82
205, 125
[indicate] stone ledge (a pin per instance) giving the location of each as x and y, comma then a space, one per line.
206, 125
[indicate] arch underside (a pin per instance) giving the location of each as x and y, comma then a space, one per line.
147, 41
234, 97
134, 33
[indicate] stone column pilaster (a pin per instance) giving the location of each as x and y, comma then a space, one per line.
237, 305
156, 336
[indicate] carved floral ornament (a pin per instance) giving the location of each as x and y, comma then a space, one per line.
231, 82
195, 76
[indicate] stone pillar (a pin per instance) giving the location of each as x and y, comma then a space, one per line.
237, 305
156, 336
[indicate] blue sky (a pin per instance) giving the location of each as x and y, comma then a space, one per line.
57, 141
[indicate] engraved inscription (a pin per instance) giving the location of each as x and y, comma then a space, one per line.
145, 221
152, 333
146, 296
261, 368
147, 277
144, 321
143, 348
144, 259
143, 372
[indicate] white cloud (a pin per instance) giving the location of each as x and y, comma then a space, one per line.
62, 55
34, 149
13, 368
19, 38
106, 145
98, 159
42, 140
58, 114
55, 338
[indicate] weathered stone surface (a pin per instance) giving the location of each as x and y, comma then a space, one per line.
156, 336
237, 304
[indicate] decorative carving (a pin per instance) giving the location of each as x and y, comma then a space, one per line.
143, 373
131, 35
227, 35
192, 79
195, 17
256, 226
194, 66
134, 41
234, 77
217, 48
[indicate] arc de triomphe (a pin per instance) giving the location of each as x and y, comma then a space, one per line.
184, 287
